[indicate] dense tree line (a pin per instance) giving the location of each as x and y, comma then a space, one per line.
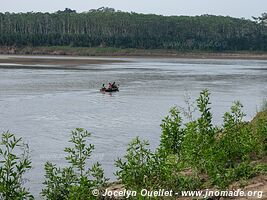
106, 27
262, 19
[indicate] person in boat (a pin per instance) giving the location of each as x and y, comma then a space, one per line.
103, 87
114, 85
110, 86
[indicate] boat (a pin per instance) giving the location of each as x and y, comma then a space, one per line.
116, 89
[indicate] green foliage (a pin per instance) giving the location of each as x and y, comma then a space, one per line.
262, 19
140, 168
137, 168
199, 135
221, 153
197, 154
204, 122
74, 182
172, 133
236, 136
260, 169
58, 181
14, 164
105, 27
78, 154
259, 126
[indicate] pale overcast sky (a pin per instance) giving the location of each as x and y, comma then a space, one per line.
235, 8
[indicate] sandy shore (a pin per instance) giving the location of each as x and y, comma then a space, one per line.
45, 62
53, 60
117, 52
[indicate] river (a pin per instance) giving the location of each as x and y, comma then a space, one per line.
44, 105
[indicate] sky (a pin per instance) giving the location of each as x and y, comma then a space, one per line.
234, 8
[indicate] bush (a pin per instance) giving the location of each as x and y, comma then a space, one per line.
14, 164
172, 133
74, 182
199, 136
197, 154
136, 170
140, 168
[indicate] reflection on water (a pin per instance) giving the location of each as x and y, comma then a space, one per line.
43, 105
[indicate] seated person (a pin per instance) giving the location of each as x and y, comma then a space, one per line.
103, 87
114, 85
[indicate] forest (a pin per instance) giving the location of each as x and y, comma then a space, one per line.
106, 27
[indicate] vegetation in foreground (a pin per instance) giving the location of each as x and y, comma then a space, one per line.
106, 27
14, 162
192, 155
76, 181
198, 155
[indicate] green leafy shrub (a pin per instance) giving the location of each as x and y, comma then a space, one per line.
260, 169
14, 164
259, 126
140, 168
223, 154
172, 133
74, 182
236, 146
198, 154
136, 170
199, 136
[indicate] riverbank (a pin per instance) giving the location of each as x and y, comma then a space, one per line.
257, 185
51, 62
103, 51
251, 180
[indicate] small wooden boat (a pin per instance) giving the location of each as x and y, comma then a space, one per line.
116, 89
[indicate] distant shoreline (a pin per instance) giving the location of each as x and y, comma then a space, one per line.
117, 52
50, 62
